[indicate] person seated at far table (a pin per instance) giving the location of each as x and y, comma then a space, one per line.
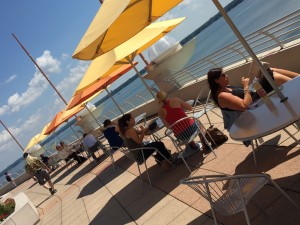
92, 144
234, 100
133, 138
171, 110
66, 153
111, 133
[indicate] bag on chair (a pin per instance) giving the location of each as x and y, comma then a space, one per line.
218, 136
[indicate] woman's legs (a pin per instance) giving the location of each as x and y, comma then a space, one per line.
287, 73
281, 76
161, 148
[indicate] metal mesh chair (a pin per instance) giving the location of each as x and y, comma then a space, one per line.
109, 152
183, 132
140, 155
203, 106
229, 195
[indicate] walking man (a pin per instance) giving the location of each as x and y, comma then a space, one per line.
39, 171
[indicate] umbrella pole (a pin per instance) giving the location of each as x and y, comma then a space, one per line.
144, 60
92, 114
249, 50
12, 135
140, 76
114, 100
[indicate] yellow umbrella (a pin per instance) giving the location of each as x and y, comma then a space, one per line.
36, 139
32, 142
125, 53
117, 21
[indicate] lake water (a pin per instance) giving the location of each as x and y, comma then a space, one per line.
248, 16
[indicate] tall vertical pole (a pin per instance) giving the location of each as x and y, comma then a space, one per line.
248, 49
40, 69
62, 98
11, 135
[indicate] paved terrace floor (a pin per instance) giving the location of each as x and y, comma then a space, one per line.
97, 194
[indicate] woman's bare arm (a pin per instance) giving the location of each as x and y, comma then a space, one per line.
184, 105
230, 101
131, 133
162, 115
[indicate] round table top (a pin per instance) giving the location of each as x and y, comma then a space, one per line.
270, 116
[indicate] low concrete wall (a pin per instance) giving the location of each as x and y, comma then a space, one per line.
25, 212
19, 180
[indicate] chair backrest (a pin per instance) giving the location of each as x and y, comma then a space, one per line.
227, 194
184, 130
201, 103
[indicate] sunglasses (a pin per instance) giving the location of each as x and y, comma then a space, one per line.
222, 75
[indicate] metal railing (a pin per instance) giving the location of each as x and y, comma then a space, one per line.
274, 35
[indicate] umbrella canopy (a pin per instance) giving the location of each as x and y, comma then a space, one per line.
37, 139
135, 45
114, 16
95, 88
61, 117
32, 142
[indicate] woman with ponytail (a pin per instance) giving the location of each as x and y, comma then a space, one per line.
133, 138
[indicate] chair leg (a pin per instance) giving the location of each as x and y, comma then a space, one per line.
147, 173
187, 166
208, 118
244, 205
140, 173
206, 141
283, 193
247, 217
253, 152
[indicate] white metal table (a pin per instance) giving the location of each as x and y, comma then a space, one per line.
269, 117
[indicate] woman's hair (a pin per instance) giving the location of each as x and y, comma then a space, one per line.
161, 96
212, 75
123, 123
106, 123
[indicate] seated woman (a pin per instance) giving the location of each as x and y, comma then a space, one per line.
134, 139
111, 133
171, 110
234, 100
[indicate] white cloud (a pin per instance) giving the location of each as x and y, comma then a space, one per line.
65, 56
4, 109
11, 78
27, 129
68, 85
48, 63
36, 86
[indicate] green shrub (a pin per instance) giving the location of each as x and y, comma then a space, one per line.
7, 208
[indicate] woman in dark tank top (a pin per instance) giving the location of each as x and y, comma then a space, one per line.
238, 99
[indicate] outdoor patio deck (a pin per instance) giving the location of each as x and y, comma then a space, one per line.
96, 194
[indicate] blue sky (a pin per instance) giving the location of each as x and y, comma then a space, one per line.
50, 31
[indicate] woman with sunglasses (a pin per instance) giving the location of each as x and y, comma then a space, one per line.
234, 100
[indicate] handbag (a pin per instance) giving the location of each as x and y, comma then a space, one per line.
218, 136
